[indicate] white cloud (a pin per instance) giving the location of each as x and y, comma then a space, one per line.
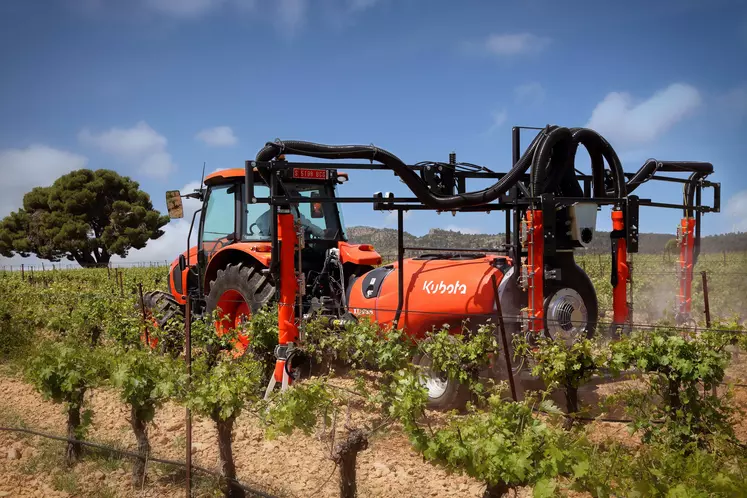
291, 15
174, 239
183, 8
734, 101
736, 210
529, 93
16, 261
288, 16
360, 5
34, 166
167, 247
510, 44
220, 136
464, 230
390, 219
626, 121
499, 118
193, 9
140, 145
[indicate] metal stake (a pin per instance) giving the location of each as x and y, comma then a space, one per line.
188, 422
504, 339
706, 304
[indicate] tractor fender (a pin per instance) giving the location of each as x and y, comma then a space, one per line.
358, 254
257, 253
177, 280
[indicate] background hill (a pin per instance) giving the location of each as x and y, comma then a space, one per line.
385, 240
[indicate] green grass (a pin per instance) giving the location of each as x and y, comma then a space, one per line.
65, 481
11, 418
104, 491
107, 460
179, 442
48, 457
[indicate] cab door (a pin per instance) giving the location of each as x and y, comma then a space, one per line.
218, 227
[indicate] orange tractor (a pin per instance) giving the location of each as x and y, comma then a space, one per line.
273, 232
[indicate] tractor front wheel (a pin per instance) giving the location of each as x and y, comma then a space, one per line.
161, 309
238, 292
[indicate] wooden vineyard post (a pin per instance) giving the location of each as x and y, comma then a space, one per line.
145, 319
707, 311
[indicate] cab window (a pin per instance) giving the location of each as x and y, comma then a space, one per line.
319, 220
313, 213
258, 216
220, 216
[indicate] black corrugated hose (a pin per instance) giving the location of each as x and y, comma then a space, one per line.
550, 155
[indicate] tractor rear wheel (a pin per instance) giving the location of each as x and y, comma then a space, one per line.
238, 291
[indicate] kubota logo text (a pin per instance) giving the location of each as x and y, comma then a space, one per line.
432, 287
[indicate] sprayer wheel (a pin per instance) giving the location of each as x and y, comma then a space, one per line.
443, 393
571, 304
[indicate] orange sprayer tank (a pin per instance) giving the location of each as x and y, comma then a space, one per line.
438, 290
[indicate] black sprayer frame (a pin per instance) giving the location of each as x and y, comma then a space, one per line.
515, 202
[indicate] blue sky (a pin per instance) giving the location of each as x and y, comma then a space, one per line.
152, 88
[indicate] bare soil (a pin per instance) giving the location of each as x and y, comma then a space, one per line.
290, 466
293, 465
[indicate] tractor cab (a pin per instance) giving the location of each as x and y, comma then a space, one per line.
231, 230
228, 218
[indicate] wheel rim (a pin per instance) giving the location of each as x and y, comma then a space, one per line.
435, 384
233, 312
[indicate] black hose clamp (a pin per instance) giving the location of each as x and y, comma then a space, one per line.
283, 350
299, 357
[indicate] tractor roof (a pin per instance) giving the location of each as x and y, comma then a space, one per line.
233, 173
225, 174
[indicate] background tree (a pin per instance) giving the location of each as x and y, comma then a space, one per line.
86, 216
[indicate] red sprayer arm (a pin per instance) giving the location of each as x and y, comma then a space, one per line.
287, 329
687, 243
535, 270
622, 271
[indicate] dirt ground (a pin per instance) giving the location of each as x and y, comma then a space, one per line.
292, 466
288, 466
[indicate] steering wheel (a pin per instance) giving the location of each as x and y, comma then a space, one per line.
251, 232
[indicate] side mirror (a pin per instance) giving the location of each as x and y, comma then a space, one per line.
174, 204
182, 263
317, 209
